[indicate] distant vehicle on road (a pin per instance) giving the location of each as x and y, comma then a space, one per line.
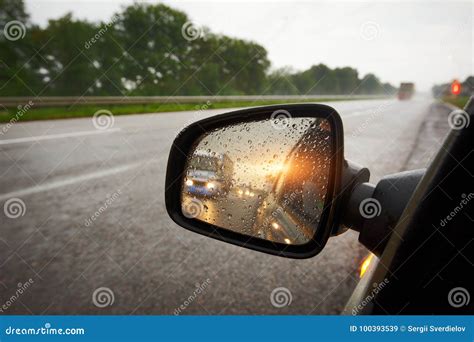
406, 91
209, 174
245, 190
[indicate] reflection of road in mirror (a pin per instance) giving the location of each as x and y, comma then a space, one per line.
261, 182
230, 211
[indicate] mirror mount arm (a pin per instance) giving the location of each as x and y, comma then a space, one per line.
374, 211
353, 175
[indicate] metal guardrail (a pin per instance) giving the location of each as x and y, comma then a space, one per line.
54, 101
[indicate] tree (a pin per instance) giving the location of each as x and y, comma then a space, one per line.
322, 80
370, 84
66, 68
347, 79
145, 49
280, 82
17, 53
151, 49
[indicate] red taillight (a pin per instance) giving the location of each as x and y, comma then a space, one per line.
455, 87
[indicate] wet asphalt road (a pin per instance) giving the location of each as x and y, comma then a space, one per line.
152, 266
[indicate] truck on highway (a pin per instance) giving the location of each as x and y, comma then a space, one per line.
209, 174
406, 91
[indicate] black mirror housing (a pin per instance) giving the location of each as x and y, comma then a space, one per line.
183, 146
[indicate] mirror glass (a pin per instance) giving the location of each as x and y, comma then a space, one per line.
265, 179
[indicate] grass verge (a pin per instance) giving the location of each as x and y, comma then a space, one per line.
458, 101
78, 111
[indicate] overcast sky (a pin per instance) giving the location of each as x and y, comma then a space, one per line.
423, 42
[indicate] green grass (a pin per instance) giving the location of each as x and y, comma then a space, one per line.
78, 111
458, 101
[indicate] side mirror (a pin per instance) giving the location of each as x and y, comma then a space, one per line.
264, 178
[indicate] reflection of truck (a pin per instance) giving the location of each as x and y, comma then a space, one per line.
209, 174
406, 91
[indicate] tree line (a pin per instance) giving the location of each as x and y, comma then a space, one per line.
149, 49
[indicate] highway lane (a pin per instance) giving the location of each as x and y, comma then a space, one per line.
95, 217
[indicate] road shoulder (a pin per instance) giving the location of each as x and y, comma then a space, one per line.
430, 136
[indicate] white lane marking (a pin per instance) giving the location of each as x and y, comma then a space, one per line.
372, 110
69, 181
56, 136
360, 113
